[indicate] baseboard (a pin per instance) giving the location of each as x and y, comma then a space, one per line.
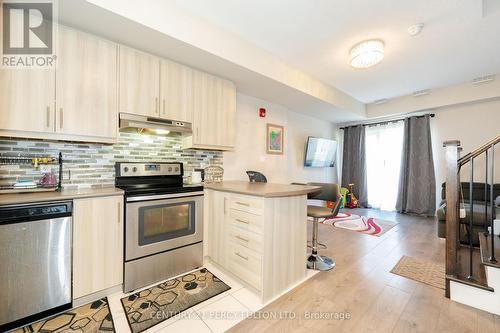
97, 295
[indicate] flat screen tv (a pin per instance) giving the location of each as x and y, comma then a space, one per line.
320, 153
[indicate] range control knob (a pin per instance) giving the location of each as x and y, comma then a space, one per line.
169, 169
134, 169
125, 169
176, 169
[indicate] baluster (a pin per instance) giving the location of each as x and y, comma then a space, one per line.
486, 194
471, 216
492, 180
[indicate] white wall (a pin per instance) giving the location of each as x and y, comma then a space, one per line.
473, 124
250, 150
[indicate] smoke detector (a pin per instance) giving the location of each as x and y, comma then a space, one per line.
415, 29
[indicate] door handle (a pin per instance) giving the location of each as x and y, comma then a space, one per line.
61, 118
242, 257
48, 116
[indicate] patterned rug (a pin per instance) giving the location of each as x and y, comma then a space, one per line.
429, 273
92, 317
366, 225
151, 306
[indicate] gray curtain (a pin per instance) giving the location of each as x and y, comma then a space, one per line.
354, 162
417, 182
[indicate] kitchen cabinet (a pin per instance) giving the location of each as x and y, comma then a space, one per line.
27, 100
259, 239
86, 85
214, 113
97, 244
177, 91
139, 87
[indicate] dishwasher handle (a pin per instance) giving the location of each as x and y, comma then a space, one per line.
35, 212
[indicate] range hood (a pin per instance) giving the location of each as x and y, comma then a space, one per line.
149, 125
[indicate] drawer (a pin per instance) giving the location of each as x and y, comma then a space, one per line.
246, 204
245, 238
245, 264
245, 221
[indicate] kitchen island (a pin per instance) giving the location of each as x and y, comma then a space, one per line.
258, 232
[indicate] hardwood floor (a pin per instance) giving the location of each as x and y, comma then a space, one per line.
362, 287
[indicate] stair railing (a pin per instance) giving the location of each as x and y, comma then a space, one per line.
454, 164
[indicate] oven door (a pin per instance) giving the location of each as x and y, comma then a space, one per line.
160, 223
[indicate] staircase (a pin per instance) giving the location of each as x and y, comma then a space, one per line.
472, 273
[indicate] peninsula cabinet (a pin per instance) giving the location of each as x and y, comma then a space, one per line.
139, 89
214, 113
86, 85
97, 244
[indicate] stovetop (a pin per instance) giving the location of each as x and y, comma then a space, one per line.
147, 189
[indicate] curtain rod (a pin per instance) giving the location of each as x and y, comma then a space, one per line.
389, 121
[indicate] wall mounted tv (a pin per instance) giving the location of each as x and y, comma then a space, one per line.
320, 153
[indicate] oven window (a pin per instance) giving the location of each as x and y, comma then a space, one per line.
164, 222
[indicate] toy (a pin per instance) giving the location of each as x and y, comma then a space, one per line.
351, 200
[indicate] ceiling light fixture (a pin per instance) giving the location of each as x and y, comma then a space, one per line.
367, 53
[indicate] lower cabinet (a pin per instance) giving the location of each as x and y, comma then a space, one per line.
97, 244
262, 241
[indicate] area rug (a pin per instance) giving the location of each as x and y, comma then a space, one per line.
92, 317
429, 273
366, 225
151, 306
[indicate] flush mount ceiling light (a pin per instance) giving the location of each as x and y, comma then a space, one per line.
367, 53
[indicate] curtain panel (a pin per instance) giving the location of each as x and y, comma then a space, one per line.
354, 162
417, 182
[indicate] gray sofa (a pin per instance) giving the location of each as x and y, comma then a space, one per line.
478, 216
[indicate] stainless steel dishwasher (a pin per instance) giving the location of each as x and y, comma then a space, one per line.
35, 261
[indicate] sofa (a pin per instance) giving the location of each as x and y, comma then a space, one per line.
479, 210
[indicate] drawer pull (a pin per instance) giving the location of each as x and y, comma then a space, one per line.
243, 203
242, 221
241, 238
242, 257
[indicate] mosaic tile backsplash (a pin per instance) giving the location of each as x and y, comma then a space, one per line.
93, 165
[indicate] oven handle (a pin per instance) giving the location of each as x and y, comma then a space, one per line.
165, 196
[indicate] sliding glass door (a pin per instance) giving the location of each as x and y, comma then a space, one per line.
384, 145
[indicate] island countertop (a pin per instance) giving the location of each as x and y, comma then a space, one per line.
266, 190
21, 198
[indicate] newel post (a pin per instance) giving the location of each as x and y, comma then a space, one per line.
452, 149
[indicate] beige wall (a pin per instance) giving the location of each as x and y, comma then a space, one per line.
250, 150
473, 124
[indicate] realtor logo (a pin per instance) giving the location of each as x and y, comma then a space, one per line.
27, 34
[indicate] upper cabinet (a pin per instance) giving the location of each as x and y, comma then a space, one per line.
214, 113
32, 114
86, 83
176, 91
139, 83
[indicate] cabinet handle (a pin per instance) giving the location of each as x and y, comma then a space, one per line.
119, 213
164, 108
61, 118
197, 133
48, 116
243, 203
242, 221
241, 238
156, 105
242, 257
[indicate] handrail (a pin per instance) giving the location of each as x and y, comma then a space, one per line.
478, 151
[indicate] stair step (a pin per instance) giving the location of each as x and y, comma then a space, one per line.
485, 246
472, 283
463, 270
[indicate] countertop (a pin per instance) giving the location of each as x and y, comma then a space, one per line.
266, 190
21, 198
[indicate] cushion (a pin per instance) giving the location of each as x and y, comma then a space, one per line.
319, 212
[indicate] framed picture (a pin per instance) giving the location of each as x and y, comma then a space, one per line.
275, 136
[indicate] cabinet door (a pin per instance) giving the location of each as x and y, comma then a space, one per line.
97, 244
27, 100
86, 100
176, 91
214, 112
216, 205
139, 83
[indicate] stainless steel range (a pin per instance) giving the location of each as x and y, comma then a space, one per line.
163, 222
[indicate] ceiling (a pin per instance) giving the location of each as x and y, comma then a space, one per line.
460, 40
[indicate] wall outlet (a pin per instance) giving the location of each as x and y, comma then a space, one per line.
463, 214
